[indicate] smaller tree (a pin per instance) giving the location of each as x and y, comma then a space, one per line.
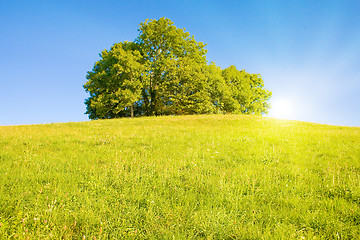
220, 92
184, 89
247, 90
115, 83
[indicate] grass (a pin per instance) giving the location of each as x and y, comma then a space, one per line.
188, 177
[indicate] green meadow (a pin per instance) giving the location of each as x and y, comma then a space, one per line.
186, 177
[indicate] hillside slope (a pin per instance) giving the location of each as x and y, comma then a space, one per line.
188, 177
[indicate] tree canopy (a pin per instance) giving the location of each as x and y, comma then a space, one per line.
165, 72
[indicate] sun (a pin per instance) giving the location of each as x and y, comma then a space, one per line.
282, 108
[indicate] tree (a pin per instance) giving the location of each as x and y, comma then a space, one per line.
220, 92
247, 91
172, 59
115, 82
165, 71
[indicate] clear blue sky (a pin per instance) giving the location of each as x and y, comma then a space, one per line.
308, 52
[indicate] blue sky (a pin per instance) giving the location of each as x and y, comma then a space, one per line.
308, 52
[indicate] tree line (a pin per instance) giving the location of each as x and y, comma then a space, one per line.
165, 72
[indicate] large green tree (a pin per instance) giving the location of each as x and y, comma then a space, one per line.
165, 71
172, 61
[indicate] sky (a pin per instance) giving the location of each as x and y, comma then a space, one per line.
307, 52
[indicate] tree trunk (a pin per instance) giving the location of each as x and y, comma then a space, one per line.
153, 109
132, 110
146, 102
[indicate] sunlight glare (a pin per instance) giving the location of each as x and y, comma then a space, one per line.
282, 108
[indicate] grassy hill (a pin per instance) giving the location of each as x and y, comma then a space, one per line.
188, 177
